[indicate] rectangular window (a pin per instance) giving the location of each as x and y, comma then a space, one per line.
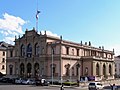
3, 53
77, 52
77, 71
3, 60
3, 67
72, 51
67, 50
93, 53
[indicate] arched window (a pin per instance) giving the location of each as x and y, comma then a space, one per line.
110, 70
29, 68
67, 66
22, 50
11, 69
37, 49
97, 69
86, 71
36, 69
72, 52
29, 50
22, 68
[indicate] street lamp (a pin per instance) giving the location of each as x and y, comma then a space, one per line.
78, 66
60, 66
71, 66
70, 71
52, 65
60, 60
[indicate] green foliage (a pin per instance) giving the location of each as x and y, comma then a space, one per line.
69, 83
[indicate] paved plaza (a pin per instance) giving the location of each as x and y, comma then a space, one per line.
4, 86
33, 87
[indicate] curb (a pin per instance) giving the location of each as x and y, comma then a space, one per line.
68, 86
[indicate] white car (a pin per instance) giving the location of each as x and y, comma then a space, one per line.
95, 86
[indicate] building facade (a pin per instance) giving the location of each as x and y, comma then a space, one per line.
117, 66
3, 54
37, 55
3, 60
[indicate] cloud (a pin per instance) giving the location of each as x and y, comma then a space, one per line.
10, 26
116, 48
9, 40
49, 33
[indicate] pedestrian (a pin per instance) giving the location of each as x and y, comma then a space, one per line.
62, 88
113, 87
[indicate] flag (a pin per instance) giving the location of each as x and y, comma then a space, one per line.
37, 14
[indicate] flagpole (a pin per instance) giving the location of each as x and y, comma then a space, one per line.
37, 18
36, 24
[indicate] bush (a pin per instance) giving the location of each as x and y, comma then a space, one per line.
69, 83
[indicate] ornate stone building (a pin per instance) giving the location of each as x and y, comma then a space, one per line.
37, 55
3, 54
117, 66
3, 60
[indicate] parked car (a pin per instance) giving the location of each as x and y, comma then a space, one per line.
28, 81
95, 86
18, 81
38, 82
6, 80
42, 82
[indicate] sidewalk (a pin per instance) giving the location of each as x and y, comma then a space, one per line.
80, 87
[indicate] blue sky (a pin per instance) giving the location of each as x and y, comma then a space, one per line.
97, 21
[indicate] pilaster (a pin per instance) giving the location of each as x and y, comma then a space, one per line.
94, 69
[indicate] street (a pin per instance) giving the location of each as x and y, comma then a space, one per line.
4, 86
33, 87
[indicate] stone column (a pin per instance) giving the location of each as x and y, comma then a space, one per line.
94, 69
32, 71
113, 69
18, 68
101, 69
107, 69
25, 67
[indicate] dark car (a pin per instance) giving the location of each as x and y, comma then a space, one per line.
38, 82
6, 80
41, 82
